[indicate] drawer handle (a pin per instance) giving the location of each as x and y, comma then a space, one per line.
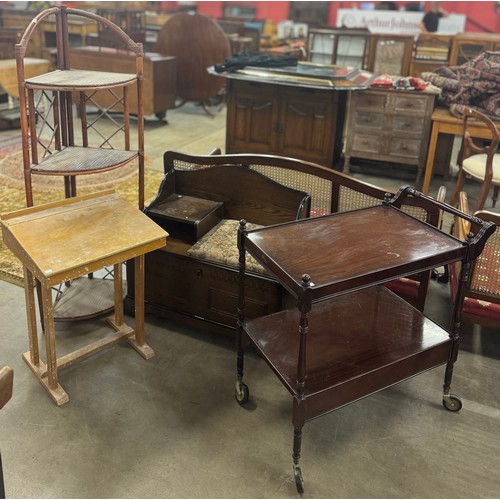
199, 273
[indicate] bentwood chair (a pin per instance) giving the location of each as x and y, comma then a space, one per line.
482, 291
480, 163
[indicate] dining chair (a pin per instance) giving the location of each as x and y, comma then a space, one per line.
478, 162
482, 292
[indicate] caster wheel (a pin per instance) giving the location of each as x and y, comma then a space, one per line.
241, 393
299, 483
452, 403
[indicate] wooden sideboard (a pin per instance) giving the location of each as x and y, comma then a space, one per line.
160, 75
295, 121
389, 126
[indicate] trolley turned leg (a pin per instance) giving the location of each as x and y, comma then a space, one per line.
450, 401
241, 391
297, 445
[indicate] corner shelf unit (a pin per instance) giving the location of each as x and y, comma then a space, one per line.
46, 101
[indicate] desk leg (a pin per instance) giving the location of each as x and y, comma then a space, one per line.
137, 340
429, 167
29, 294
118, 282
46, 374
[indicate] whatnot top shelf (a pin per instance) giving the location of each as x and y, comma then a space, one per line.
78, 79
74, 160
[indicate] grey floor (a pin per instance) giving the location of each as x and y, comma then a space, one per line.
169, 427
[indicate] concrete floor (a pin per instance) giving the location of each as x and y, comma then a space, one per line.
169, 427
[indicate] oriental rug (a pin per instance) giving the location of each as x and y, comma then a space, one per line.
51, 188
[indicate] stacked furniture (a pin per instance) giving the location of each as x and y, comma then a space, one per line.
53, 145
200, 203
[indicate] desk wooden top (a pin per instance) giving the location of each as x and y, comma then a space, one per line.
63, 240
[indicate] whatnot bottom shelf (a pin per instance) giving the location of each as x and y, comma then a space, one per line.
357, 344
84, 298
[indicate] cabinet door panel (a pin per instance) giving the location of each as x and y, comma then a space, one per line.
306, 129
251, 120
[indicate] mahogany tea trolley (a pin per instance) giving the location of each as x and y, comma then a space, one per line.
325, 352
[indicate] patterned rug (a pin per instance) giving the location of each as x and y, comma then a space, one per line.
51, 188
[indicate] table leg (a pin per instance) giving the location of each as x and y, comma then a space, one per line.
137, 340
429, 167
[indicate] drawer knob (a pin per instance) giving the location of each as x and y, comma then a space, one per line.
199, 273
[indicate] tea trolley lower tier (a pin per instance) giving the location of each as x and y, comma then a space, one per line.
349, 336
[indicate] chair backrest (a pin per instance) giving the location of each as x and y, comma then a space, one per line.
330, 191
470, 147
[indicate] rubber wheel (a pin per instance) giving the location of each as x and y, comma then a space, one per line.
241, 393
299, 483
452, 403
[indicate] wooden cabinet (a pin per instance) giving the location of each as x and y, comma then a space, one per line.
339, 46
301, 122
390, 126
160, 77
467, 46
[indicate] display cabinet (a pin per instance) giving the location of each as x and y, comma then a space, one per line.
390, 54
349, 337
467, 46
431, 51
339, 46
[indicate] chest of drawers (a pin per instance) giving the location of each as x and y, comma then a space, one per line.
389, 126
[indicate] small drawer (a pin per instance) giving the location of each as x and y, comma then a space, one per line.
401, 146
368, 100
369, 120
408, 124
366, 143
408, 104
